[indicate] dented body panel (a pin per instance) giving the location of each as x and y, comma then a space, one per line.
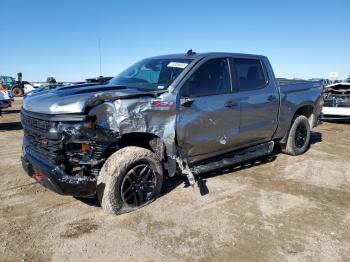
140, 115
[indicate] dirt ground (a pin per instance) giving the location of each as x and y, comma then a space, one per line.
281, 208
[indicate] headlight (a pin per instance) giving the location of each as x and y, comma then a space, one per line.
78, 132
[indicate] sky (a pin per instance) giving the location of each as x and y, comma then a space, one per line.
42, 38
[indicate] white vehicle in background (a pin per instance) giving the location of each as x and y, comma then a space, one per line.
5, 100
28, 88
337, 101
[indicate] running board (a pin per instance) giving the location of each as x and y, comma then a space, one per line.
235, 158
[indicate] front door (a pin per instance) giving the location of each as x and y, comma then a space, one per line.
208, 118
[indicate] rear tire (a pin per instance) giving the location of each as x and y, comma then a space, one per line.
130, 178
17, 91
298, 137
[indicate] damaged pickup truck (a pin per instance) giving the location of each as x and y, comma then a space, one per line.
174, 114
337, 101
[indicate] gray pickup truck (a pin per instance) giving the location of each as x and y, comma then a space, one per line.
174, 114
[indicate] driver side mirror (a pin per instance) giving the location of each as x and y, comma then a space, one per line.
186, 91
186, 102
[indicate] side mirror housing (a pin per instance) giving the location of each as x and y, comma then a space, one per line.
186, 101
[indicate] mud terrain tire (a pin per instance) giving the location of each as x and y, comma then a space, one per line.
122, 178
298, 138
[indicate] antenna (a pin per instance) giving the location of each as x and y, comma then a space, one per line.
99, 53
190, 53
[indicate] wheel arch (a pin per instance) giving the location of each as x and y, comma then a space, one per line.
145, 140
305, 109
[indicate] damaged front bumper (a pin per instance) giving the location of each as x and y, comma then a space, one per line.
55, 178
336, 113
336, 106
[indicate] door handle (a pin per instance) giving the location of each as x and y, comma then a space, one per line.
231, 104
272, 98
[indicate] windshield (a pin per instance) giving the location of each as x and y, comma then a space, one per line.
151, 74
347, 80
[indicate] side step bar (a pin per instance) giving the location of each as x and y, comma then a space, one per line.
235, 158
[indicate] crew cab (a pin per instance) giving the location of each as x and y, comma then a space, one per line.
174, 114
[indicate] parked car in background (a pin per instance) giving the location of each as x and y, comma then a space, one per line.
337, 101
51, 84
45, 87
5, 98
324, 81
100, 79
185, 113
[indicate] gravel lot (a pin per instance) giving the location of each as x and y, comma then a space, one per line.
279, 209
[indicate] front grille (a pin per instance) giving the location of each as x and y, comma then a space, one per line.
329, 103
35, 124
36, 132
337, 101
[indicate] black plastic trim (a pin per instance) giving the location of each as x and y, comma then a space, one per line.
57, 180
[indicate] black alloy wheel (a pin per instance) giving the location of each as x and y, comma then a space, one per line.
130, 178
300, 136
138, 185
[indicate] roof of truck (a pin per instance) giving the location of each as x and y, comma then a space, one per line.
202, 55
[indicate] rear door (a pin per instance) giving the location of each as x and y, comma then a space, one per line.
259, 101
208, 118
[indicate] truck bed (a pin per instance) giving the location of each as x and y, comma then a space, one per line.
296, 93
297, 85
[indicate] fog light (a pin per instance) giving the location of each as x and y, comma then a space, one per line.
39, 176
85, 148
89, 125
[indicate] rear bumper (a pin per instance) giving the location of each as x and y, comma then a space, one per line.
55, 179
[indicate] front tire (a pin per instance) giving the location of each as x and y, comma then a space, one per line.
298, 137
130, 178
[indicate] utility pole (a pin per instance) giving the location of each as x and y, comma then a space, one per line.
99, 53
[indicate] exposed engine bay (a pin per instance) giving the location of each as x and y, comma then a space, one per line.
337, 101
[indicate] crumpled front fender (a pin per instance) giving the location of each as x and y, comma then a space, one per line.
152, 115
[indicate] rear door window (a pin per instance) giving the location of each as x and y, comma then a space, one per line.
250, 74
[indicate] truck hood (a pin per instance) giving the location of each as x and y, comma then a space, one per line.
338, 88
77, 99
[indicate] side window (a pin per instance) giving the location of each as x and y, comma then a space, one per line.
250, 74
211, 78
